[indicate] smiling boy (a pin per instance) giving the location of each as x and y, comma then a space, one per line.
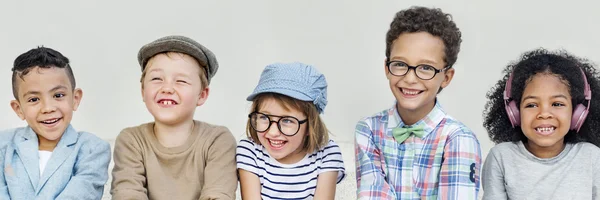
49, 159
175, 157
415, 150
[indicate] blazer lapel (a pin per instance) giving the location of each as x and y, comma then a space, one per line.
61, 152
27, 148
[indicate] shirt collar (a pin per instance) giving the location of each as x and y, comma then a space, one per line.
429, 122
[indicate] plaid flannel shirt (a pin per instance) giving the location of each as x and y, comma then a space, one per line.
444, 164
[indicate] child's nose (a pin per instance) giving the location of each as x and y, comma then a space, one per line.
48, 106
410, 76
273, 130
167, 88
545, 113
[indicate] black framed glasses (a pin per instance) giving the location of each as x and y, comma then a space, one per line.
287, 125
423, 71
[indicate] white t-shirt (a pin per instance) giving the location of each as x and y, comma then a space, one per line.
289, 181
44, 157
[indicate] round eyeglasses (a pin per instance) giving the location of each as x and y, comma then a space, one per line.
423, 71
287, 125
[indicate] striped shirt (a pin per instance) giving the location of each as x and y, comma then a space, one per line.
289, 181
444, 164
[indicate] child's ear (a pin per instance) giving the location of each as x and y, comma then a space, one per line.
77, 95
385, 68
448, 75
203, 96
142, 91
14, 104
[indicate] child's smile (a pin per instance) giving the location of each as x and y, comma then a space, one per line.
545, 129
167, 103
50, 122
546, 111
410, 93
276, 144
416, 96
172, 88
47, 102
285, 149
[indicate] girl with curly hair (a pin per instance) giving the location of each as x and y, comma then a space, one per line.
545, 121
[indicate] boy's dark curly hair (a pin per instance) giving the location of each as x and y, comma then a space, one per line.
559, 63
430, 20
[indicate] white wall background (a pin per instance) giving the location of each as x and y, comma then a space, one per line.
344, 39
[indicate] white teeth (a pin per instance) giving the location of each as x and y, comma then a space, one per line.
276, 143
410, 92
167, 103
546, 129
50, 121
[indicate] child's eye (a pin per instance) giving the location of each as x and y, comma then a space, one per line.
530, 105
558, 104
181, 81
398, 64
156, 79
33, 99
263, 117
288, 121
59, 95
426, 68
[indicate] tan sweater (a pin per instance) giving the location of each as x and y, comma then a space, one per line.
202, 168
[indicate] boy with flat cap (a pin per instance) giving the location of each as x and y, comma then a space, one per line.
175, 157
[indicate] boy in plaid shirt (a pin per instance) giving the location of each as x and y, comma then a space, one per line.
415, 150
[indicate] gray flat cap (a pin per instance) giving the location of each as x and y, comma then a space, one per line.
181, 44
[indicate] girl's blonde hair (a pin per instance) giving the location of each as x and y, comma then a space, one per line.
317, 134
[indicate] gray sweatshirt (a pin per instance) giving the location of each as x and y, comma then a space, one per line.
510, 171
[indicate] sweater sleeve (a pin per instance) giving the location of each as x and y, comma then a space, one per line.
596, 175
128, 174
220, 180
493, 178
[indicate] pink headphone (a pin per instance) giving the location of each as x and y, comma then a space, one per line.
579, 113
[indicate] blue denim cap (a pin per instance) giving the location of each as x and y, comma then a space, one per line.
297, 80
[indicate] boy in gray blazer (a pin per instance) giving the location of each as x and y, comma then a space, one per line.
49, 159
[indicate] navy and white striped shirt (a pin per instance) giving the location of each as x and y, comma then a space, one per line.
289, 181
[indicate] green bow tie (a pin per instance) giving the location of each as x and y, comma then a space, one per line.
402, 133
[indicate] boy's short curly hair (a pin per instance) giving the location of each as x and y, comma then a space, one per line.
430, 20
559, 63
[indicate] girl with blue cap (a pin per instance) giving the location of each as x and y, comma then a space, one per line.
288, 153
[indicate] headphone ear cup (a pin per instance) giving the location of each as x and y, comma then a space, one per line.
579, 115
513, 114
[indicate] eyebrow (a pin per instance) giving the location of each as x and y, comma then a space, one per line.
427, 61
157, 69
176, 74
58, 87
185, 75
281, 116
552, 97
